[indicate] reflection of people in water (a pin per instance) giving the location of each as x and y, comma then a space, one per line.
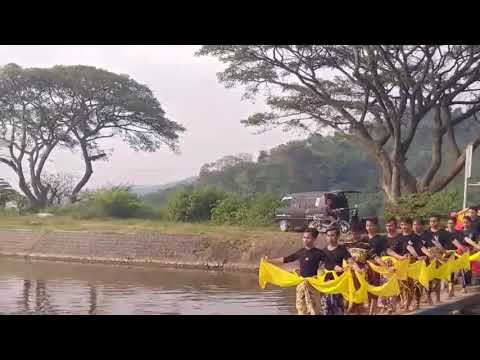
92, 291
26, 295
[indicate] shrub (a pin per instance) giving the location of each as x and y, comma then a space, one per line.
114, 202
252, 211
194, 204
423, 205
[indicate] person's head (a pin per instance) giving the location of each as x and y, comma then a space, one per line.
356, 233
309, 238
434, 222
371, 226
406, 225
473, 213
467, 223
452, 221
391, 226
329, 201
417, 225
332, 236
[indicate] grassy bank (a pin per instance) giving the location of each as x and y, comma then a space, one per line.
68, 223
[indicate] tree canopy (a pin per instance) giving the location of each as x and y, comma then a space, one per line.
376, 96
73, 107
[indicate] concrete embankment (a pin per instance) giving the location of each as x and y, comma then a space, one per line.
143, 248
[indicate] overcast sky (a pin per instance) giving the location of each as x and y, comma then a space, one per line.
189, 92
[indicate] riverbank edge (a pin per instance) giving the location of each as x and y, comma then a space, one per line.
234, 267
141, 249
452, 306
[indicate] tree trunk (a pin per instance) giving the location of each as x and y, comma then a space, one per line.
86, 175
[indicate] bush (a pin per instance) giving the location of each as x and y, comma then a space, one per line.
423, 205
194, 204
227, 210
252, 211
115, 203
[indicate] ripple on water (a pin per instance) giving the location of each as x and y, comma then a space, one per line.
42, 287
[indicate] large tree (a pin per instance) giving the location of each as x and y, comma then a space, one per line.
73, 107
375, 95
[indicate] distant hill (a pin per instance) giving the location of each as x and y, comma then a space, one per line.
142, 190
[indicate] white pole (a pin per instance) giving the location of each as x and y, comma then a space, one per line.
468, 172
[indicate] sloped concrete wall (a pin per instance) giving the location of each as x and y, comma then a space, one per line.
143, 248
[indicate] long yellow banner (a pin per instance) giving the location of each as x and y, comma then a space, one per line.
345, 285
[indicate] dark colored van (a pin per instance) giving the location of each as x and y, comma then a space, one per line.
300, 209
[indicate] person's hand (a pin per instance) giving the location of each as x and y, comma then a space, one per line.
338, 268
265, 257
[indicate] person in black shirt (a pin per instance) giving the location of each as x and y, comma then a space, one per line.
391, 230
390, 304
335, 254
467, 238
308, 299
378, 246
418, 227
455, 237
438, 242
470, 235
409, 244
473, 214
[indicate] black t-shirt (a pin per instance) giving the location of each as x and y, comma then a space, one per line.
472, 234
455, 235
443, 237
404, 241
401, 242
399, 245
476, 225
378, 245
309, 260
336, 256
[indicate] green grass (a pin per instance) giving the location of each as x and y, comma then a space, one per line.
66, 223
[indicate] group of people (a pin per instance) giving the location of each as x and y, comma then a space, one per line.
403, 239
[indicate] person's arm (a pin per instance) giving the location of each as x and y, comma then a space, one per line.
427, 252
354, 265
472, 243
438, 245
395, 255
282, 260
274, 261
458, 245
412, 251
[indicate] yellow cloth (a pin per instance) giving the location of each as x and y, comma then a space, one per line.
345, 283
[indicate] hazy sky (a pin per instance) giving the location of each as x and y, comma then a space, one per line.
189, 92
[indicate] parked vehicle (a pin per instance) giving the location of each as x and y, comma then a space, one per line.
316, 209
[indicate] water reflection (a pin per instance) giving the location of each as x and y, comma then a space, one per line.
92, 290
62, 288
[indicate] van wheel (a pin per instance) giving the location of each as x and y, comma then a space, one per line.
344, 227
284, 225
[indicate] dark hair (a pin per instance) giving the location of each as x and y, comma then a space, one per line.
418, 220
474, 208
391, 219
356, 228
406, 220
312, 231
452, 218
333, 228
436, 216
468, 218
373, 220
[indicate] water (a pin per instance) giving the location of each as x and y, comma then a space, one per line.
46, 287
